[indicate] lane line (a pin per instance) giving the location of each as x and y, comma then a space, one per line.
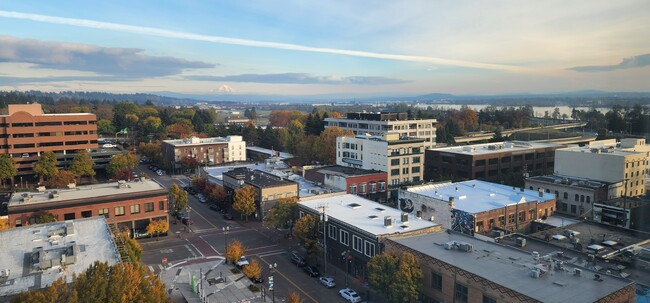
288, 280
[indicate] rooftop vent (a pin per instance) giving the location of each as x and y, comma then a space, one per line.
404, 226
354, 205
379, 209
388, 222
405, 218
577, 272
122, 184
373, 217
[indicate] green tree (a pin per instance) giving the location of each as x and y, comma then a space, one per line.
105, 127
124, 114
399, 278
43, 217
8, 168
46, 166
178, 197
120, 162
285, 209
82, 165
244, 201
305, 230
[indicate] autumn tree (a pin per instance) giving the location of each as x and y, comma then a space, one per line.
284, 210
121, 162
8, 168
218, 194
82, 164
399, 278
4, 224
253, 270
305, 230
326, 144
294, 297
46, 166
123, 282
158, 227
132, 248
244, 201
199, 183
235, 250
178, 197
188, 162
43, 217
61, 179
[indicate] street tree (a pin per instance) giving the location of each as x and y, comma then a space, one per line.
280, 215
244, 201
158, 227
8, 168
397, 277
253, 270
199, 183
62, 178
178, 197
127, 161
218, 194
132, 248
82, 164
4, 224
43, 217
235, 250
294, 297
189, 163
381, 270
123, 282
105, 127
305, 230
46, 166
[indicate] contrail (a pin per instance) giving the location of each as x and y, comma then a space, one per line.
254, 43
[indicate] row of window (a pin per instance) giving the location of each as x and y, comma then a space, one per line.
461, 292
396, 181
52, 123
370, 187
405, 151
358, 244
406, 160
133, 209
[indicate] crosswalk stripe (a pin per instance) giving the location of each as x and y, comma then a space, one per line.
161, 267
150, 268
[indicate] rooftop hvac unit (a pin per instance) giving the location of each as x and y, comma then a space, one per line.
450, 245
521, 242
535, 273
466, 247
405, 218
388, 221
577, 272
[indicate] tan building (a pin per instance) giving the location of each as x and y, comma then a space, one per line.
130, 205
402, 158
269, 188
206, 151
26, 132
602, 161
461, 268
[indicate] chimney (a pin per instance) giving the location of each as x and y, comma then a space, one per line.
405, 218
451, 202
388, 222
541, 192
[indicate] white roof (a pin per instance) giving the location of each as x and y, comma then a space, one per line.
283, 155
477, 196
357, 211
198, 141
91, 235
491, 148
559, 237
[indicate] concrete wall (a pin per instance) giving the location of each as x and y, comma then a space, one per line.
414, 203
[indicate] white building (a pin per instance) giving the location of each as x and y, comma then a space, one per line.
207, 151
380, 124
401, 158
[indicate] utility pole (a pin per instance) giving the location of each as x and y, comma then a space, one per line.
323, 218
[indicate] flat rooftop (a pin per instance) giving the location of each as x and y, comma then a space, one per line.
570, 181
511, 268
477, 196
83, 192
270, 152
603, 150
495, 148
22, 247
345, 171
365, 214
257, 177
200, 141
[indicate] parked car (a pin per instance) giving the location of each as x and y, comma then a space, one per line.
187, 221
299, 261
349, 295
109, 145
25, 155
257, 281
242, 261
215, 207
327, 281
180, 215
228, 216
311, 271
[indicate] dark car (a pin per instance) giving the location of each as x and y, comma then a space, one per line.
298, 261
215, 207
228, 216
187, 221
311, 271
180, 215
257, 281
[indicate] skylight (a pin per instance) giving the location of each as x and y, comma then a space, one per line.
354, 205
380, 209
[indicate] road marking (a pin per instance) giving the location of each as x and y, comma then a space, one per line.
262, 247
206, 220
206, 242
294, 284
166, 251
273, 253
191, 251
161, 267
150, 268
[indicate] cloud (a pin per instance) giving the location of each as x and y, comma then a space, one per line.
226, 89
25, 80
299, 78
253, 43
631, 62
122, 62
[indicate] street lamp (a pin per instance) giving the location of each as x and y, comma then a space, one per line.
189, 230
323, 217
272, 268
225, 237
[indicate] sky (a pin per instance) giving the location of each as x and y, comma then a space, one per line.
359, 48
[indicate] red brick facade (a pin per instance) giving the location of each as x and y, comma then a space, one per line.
513, 217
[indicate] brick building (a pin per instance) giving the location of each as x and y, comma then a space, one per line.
575, 196
502, 162
128, 204
461, 268
370, 184
269, 188
26, 132
477, 206
206, 151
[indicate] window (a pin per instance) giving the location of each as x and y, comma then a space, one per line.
370, 249
394, 162
522, 216
566, 195
135, 209
405, 170
362, 188
357, 243
394, 172
487, 299
372, 188
531, 214
104, 212
405, 161
382, 185
460, 293
353, 189
436, 281
345, 237
87, 214
511, 218
161, 205
415, 170
148, 207
588, 199
416, 160
119, 211
502, 220
577, 197
573, 209
332, 232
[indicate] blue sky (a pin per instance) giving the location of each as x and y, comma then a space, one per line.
325, 47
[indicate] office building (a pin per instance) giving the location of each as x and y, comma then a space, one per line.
381, 124
575, 197
370, 184
206, 151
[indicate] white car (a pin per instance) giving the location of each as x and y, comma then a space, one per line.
349, 295
109, 145
242, 261
327, 281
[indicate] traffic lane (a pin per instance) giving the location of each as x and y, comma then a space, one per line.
174, 252
289, 277
251, 239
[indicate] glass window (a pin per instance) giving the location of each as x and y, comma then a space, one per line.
416, 159
460, 293
353, 189
104, 212
345, 237
135, 209
372, 188
161, 205
357, 243
370, 249
487, 299
394, 172
415, 170
362, 188
119, 211
332, 231
394, 162
436, 281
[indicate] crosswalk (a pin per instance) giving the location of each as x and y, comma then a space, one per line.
158, 268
